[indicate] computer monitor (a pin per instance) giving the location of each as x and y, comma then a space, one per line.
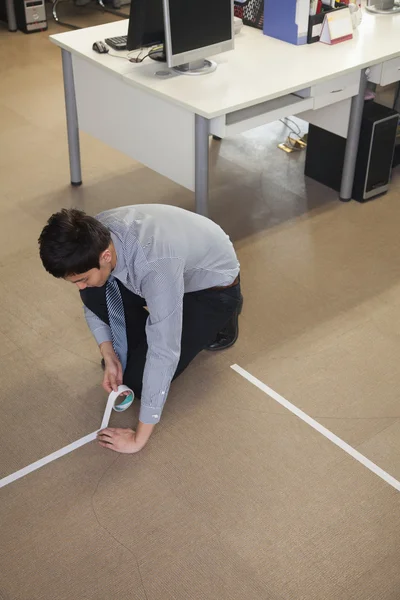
195, 30
146, 24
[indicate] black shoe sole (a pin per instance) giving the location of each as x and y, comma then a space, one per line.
219, 349
240, 306
222, 348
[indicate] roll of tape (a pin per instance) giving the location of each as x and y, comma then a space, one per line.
127, 400
112, 403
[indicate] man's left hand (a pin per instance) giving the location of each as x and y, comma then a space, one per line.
119, 440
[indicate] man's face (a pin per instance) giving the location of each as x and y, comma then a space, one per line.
94, 277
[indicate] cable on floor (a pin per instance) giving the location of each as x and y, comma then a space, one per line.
292, 144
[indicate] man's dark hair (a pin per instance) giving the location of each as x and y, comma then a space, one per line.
71, 243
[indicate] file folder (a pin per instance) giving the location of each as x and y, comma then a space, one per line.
287, 20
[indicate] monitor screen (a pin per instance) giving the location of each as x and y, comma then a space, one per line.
197, 24
146, 24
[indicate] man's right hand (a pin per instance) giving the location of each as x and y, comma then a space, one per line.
113, 369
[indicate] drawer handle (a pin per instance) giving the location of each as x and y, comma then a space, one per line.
336, 91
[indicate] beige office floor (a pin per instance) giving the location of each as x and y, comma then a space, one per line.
234, 497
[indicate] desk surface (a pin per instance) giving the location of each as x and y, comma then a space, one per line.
259, 69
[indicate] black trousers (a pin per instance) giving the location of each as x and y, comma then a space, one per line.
205, 314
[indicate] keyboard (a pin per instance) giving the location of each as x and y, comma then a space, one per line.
118, 43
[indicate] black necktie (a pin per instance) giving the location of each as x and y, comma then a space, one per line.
116, 317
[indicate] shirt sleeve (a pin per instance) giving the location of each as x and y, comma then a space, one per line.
163, 290
100, 330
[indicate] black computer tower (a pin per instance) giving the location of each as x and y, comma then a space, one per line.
325, 153
30, 15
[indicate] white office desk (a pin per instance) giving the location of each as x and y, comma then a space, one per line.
165, 122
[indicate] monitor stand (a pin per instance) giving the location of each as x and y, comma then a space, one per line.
383, 7
198, 67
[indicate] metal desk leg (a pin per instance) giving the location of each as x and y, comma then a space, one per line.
10, 11
353, 138
72, 119
202, 132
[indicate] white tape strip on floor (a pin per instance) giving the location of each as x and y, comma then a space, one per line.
318, 427
85, 440
47, 459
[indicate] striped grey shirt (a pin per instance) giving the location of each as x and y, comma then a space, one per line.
164, 252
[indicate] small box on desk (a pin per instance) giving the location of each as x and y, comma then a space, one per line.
315, 26
316, 22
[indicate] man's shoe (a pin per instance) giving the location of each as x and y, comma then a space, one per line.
229, 334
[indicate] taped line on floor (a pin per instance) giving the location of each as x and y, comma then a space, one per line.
318, 427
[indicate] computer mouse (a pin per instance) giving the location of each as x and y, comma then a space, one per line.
100, 47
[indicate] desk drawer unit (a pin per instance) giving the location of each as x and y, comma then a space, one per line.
386, 73
333, 90
334, 118
312, 98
